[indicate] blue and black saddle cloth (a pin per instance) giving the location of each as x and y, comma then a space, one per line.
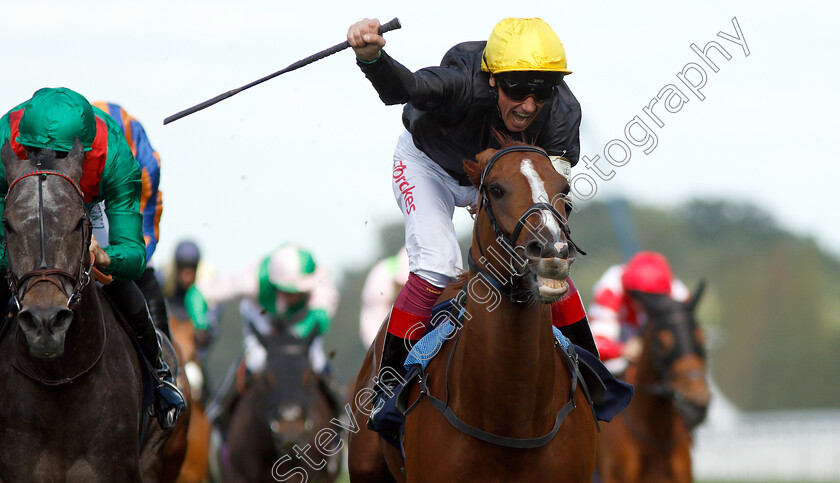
607, 395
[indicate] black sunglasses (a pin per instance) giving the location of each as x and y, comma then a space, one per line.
518, 91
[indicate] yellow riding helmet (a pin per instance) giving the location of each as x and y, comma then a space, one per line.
523, 44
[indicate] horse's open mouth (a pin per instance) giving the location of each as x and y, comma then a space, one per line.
549, 287
551, 278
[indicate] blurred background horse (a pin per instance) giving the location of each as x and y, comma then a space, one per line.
197, 440
651, 439
277, 418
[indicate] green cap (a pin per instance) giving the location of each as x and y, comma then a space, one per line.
54, 117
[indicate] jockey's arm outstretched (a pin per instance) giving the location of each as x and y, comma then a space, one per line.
512, 85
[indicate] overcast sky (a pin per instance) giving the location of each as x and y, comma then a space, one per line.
307, 155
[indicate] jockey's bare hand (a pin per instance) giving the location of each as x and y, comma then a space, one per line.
101, 260
364, 37
633, 349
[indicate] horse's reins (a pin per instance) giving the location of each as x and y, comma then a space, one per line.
44, 273
507, 287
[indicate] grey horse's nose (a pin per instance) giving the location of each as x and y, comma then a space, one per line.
51, 320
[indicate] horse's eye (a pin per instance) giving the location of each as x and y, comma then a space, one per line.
7, 226
496, 191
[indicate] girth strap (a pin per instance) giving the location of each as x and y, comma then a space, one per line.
504, 441
493, 438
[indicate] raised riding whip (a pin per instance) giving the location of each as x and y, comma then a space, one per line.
387, 27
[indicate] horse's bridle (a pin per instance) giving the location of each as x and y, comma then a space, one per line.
507, 286
44, 273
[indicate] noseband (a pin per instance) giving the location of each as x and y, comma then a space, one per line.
506, 287
44, 273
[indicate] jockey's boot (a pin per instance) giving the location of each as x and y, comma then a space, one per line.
407, 323
169, 402
127, 296
390, 375
160, 318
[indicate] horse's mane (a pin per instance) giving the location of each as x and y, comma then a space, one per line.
473, 168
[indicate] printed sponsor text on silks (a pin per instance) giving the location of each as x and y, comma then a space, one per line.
404, 186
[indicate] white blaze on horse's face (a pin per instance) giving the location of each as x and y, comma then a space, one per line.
551, 273
539, 195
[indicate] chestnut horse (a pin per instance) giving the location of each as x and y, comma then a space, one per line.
70, 376
650, 441
505, 384
194, 468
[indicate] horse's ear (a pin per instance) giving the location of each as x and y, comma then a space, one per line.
695, 297
75, 158
475, 168
7, 154
12, 164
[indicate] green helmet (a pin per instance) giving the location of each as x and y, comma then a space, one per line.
55, 117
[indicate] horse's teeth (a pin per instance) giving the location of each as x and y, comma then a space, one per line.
551, 282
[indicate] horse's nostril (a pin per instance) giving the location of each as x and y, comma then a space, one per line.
27, 320
561, 249
52, 320
534, 249
61, 320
